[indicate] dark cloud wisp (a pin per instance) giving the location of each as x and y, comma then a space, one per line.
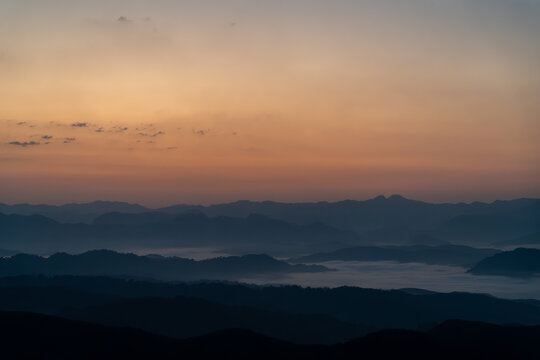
151, 135
200, 132
24, 143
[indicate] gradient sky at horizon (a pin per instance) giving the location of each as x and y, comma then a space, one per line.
163, 101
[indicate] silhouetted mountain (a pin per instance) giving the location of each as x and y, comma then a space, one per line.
505, 225
254, 233
510, 342
444, 255
105, 262
379, 308
530, 301
179, 317
33, 336
364, 216
49, 300
519, 262
381, 220
375, 308
118, 218
27, 335
453, 340
72, 213
183, 317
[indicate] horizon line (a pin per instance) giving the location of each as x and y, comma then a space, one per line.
381, 197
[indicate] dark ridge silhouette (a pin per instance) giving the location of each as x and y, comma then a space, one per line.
529, 301
27, 335
373, 308
392, 220
178, 317
456, 255
50, 300
495, 225
105, 262
34, 336
453, 339
520, 262
73, 213
380, 212
118, 218
510, 342
183, 317
254, 233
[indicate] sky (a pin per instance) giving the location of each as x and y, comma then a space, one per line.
162, 102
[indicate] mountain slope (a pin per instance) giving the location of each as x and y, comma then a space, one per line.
27, 335
377, 308
518, 262
183, 317
153, 230
361, 216
105, 262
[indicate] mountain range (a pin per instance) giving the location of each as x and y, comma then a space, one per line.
256, 233
110, 263
365, 309
381, 220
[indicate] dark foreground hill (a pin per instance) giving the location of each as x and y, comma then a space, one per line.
178, 317
456, 255
110, 263
27, 335
366, 307
183, 317
520, 262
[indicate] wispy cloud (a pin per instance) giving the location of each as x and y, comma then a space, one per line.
80, 124
200, 132
119, 129
69, 140
24, 143
151, 135
47, 137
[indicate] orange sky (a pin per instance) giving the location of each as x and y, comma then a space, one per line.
165, 101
